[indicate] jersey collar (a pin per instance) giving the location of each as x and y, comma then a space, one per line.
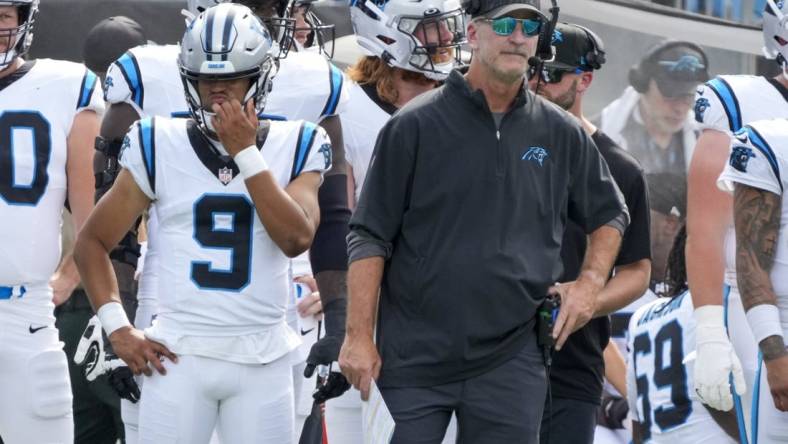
222, 167
16, 75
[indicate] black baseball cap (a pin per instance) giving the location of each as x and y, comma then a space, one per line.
499, 8
678, 68
109, 39
572, 45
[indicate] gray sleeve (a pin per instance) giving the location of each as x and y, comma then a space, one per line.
620, 222
361, 245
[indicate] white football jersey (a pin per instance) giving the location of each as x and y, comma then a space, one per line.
220, 274
759, 159
361, 122
306, 87
661, 399
727, 103
36, 115
147, 78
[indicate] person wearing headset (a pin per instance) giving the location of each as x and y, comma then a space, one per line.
652, 118
578, 368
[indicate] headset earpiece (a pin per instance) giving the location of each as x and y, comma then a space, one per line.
637, 79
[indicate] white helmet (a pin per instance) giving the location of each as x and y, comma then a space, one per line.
226, 42
320, 37
388, 29
775, 31
22, 35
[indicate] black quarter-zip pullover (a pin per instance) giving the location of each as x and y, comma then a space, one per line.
471, 218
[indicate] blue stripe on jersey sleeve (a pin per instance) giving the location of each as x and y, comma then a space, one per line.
147, 136
264, 116
131, 72
758, 142
729, 102
336, 80
89, 81
306, 136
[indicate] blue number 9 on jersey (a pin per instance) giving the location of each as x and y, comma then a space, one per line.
224, 222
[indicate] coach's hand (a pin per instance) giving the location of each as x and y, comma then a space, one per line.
716, 360
360, 362
235, 126
578, 304
135, 350
777, 376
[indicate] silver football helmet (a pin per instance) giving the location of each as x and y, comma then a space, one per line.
226, 42
313, 34
18, 39
423, 36
775, 32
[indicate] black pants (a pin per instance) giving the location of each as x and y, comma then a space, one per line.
568, 421
503, 405
96, 406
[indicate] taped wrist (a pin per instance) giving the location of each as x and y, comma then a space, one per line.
334, 315
764, 322
329, 250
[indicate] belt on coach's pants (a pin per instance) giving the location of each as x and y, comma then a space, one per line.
15, 291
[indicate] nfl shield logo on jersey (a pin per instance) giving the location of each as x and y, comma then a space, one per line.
225, 175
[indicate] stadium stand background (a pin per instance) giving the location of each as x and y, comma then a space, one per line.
628, 27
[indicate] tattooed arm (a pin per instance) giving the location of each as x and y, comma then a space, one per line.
757, 220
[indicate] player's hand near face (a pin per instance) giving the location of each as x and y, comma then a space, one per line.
137, 352
235, 126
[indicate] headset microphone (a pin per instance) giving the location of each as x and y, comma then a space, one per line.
544, 47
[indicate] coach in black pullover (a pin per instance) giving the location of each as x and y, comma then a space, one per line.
460, 225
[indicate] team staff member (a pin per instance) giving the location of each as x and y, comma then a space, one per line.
578, 369
652, 118
459, 226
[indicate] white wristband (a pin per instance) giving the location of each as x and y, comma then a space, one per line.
250, 161
764, 321
112, 317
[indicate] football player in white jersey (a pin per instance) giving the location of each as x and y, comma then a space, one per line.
235, 198
408, 49
49, 115
723, 105
756, 174
661, 338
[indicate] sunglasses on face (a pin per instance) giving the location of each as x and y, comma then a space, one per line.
554, 75
505, 26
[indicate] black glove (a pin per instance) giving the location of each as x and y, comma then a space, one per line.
94, 353
613, 411
122, 381
326, 349
334, 386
